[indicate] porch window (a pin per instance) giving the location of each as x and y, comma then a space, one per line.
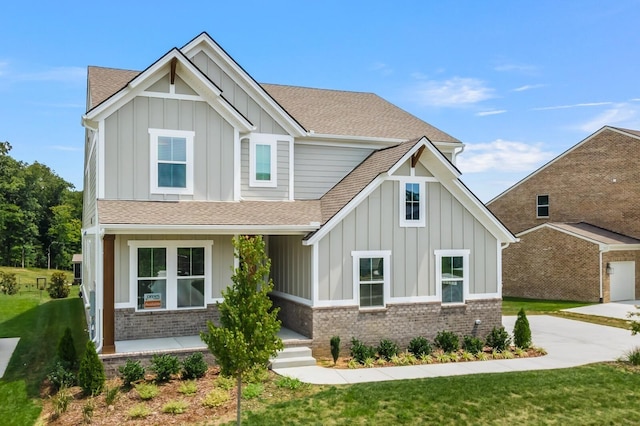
152, 278
371, 278
171, 161
263, 149
542, 206
190, 277
452, 270
412, 204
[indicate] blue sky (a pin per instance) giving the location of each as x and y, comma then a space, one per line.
517, 82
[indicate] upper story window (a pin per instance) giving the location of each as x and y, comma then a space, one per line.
171, 161
263, 166
371, 277
412, 203
452, 275
542, 206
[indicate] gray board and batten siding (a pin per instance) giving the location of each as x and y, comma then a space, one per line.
290, 265
374, 225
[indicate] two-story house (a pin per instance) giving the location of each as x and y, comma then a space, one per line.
370, 232
577, 218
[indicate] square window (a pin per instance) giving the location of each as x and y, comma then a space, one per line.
171, 161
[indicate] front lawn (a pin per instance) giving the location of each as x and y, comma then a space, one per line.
39, 322
511, 305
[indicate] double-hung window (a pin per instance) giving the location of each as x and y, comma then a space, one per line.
412, 203
170, 274
452, 275
542, 206
171, 161
371, 277
263, 150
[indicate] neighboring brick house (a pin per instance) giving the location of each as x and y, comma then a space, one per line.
370, 232
578, 221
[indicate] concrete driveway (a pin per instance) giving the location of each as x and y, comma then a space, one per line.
614, 309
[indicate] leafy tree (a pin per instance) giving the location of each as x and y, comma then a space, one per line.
247, 335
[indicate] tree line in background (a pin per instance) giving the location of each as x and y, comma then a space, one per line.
40, 215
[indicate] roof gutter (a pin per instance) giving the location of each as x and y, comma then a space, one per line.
217, 229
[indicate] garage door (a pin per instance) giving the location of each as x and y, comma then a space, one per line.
623, 281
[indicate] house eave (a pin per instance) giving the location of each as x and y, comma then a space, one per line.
210, 229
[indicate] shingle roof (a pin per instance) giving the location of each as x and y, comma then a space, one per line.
204, 213
630, 131
337, 112
323, 111
344, 191
595, 233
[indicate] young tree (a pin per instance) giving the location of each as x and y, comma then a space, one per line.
522, 331
248, 331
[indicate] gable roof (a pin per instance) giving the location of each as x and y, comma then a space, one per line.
104, 82
336, 112
587, 231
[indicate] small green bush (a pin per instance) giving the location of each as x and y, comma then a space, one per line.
252, 390
67, 350
147, 391
335, 348
633, 356
9, 283
91, 377
58, 288
131, 372
216, 398
139, 411
194, 366
498, 339
472, 344
448, 341
387, 349
420, 346
174, 407
188, 388
111, 394
288, 382
165, 366
87, 411
522, 331
360, 352
61, 377
61, 401
257, 374
226, 383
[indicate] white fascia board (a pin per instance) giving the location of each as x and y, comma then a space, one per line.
342, 213
623, 247
229, 66
313, 138
208, 229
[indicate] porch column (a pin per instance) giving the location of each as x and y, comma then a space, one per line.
108, 305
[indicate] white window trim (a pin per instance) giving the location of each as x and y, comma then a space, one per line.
464, 253
172, 267
404, 223
386, 292
263, 139
538, 205
154, 134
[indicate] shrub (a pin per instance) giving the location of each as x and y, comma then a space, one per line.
522, 331
147, 391
58, 288
61, 401
448, 341
165, 366
498, 339
335, 348
91, 375
61, 377
9, 283
139, 411
633, 356
194, 366
188, 388
420, 346
131, 372
226, 383
257, 374
174, 407
288, 382
67, 351
387, 349
87, 411
472, 344
216, 398
111, 394
252, 390
360, 352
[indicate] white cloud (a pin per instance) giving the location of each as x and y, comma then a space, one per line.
586, 104
382, 68
456, 91
502, 156
492, 112
622, 115
527, 87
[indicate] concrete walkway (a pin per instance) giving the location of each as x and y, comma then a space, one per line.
568, 343
7, 346
613, 310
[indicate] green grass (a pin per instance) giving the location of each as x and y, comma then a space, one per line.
39, 322
511, 305
27, 277
590, 395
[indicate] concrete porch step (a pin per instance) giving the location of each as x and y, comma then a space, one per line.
293, 357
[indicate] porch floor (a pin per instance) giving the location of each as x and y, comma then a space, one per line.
167, 344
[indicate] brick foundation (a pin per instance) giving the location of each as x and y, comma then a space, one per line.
132, 325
